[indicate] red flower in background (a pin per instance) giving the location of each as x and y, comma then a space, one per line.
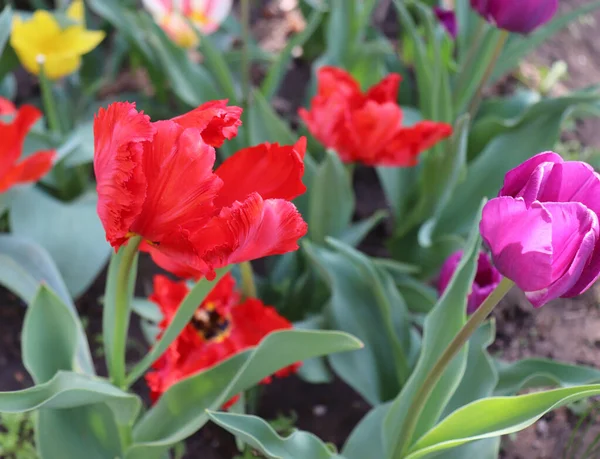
12, 137
367, 127
221, 327
156, 180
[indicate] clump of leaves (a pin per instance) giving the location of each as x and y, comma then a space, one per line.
16, 436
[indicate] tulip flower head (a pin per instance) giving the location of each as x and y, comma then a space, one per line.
42, 42
486, 279
13, 133
542, 229
518, 16
448, 19
175, 16
156, 180
222, 326
367, 127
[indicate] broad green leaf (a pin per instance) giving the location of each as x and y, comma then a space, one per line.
339, 39
181, 410
519, 47
365, 302
439, 178
331, 200
71, 390
146, 309
442, 324
366, 440
50, 336
182, 317
70, 232
355, 233
260, 435
480, 376
486, 173
315, 370
88, 432
189, 81
528, 373
217, 65
495, 416
24, 266
279, 67
5, 27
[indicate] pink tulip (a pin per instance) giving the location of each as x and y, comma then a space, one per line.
448, 19
543, 228
486, 279
173, 16
519, 16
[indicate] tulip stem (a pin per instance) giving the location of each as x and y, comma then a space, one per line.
434, 375
474, 106
122, 310
49, 102
248, 284
246, 67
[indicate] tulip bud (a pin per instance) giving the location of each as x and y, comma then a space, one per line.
519, 16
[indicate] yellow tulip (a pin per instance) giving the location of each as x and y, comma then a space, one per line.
41, 41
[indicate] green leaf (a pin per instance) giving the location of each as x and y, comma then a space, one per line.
181, 410
365, 302
366, 440
260, 435
495, 416
355, 233
70, 232
480, 376
146, 309
279, 67
71, 390
216, 64
442, 324
486, 173
190, 82
182, 317
86, 431
519, 47
24, 266
528, 373
331, 199
50, 335
339, 39
5, 27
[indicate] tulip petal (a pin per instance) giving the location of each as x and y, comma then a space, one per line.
575, 231
181, 184
520, 240
273, 171
215, 120
386, 90
516, 179
35, 166
119, 134
6, 107
13, 135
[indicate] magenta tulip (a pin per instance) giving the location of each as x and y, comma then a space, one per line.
486, 279
448, 19
543, 229
519, 16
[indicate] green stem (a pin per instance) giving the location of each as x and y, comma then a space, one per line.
421, 397
248, 284
488, 73
246, 77
50, 106
122, 311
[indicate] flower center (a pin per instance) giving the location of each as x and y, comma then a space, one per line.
210, 324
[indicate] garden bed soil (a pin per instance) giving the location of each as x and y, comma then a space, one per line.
567, 330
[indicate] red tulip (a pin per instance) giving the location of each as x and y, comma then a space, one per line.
367, 127
12, 135
156, 180
221, 327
